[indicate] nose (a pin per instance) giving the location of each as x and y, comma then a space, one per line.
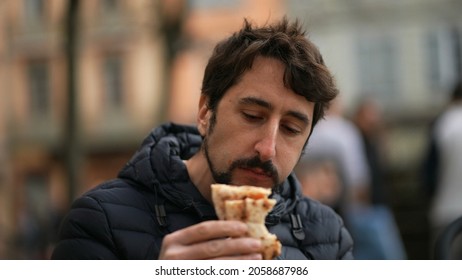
266, 144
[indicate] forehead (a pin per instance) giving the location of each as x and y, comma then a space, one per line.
265, 81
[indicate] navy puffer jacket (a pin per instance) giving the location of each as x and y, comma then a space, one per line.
127, 218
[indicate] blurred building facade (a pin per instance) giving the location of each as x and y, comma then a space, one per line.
120, 62
406, 53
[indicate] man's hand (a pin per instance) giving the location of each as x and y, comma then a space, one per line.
211, 240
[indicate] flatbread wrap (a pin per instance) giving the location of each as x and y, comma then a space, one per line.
250, 205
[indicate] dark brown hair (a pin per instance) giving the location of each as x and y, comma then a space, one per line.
305, 71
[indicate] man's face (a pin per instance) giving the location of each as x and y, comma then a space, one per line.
258, 131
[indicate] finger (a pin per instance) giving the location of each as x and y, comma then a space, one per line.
221, 248
206, 231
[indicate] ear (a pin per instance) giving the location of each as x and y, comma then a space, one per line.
203, 115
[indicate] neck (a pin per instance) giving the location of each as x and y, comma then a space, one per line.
199, 172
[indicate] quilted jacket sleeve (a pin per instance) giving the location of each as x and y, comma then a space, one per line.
345, 244
326, 235
85, 233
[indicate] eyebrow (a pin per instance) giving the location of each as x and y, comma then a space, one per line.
262, 103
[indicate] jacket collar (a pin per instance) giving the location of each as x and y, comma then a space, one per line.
158, 166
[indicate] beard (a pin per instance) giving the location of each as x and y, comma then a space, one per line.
226, 177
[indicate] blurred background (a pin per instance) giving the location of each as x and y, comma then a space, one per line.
83, 82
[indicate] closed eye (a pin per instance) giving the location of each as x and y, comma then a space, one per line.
291, 131
251, 117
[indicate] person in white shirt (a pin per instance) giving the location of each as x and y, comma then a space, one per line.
447, 132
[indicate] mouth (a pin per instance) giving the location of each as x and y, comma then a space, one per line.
258, 172
257, 176
253, 177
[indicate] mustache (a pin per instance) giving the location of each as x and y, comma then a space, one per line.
255, 162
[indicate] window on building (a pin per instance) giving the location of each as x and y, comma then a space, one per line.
441, 58
110, 7
113, 86
34, 11
37, 196
206, 4
110, 4
457, 37
378, 67
433, 73
39, 89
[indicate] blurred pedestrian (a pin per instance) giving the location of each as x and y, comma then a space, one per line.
339, 142
447, 134
367, 117
319, 176
336, 140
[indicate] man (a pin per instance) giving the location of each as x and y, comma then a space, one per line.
263, 91
447, 156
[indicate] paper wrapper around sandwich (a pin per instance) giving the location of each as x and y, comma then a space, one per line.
250, 205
